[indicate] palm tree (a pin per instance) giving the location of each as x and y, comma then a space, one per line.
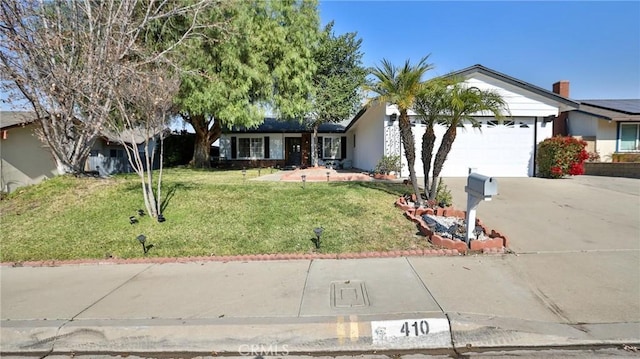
430, 104
399, 86
461, 103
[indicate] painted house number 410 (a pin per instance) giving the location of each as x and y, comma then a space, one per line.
415, 328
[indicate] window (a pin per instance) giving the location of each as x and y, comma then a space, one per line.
508, 124
250, 148
629, 137
116, 153
331, 147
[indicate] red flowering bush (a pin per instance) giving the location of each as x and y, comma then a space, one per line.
561, 156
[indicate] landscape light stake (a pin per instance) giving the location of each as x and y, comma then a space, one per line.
259, 170
328, 173
304, 180
142, 238
318, 232
244, 174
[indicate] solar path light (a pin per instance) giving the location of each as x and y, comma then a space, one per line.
142, 239
318, 232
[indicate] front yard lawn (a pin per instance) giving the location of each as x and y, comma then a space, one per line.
207, 212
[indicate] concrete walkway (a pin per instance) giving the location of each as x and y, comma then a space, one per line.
574, 281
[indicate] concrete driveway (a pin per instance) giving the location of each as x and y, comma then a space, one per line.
582, 213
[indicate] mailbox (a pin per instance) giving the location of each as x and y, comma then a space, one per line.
481, 186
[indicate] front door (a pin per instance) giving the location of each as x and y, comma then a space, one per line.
293, 151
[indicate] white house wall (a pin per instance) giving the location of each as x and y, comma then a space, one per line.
521, 103
606, 139
605, 132
369, 138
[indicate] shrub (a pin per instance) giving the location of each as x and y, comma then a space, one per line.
443, 195
178, 149
388, 164
625, 157
561, 156
593, 157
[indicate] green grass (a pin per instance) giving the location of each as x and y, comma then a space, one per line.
208, 213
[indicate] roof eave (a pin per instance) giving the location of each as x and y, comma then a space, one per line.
519, 83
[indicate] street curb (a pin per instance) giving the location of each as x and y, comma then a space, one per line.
226, 337
475, 332
468, 333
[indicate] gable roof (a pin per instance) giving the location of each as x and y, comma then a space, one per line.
10, 119
273, 125
513, 81
138, 134
499, 76
613, 110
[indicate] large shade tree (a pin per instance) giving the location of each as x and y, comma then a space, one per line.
399, 86
68, 58
264, 63
337, 80
461, 104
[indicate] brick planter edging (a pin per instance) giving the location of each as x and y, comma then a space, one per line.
495, 244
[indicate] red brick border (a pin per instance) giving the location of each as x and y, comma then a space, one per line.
295, 176
496, 243
238, 258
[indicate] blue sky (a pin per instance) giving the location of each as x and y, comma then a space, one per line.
594, 45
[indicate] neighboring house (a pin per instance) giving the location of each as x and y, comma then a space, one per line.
611, 128
499, 149
25, 159
108, 155
283, 143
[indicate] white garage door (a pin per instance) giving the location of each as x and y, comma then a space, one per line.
494, 149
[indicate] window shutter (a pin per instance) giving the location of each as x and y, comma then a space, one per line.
266, 146
320, 144
343, 147
234, 152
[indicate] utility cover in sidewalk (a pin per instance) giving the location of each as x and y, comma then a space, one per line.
348, 294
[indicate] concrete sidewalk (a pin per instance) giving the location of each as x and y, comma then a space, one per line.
574, 281
321, 306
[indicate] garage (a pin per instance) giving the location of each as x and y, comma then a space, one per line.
495, 148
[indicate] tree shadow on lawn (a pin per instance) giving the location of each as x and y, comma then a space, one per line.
168, 191
395, 189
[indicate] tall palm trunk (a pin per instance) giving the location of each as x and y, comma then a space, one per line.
441, 156
428, 142
409, 151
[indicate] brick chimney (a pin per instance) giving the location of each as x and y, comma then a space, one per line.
560, 122
561, 88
